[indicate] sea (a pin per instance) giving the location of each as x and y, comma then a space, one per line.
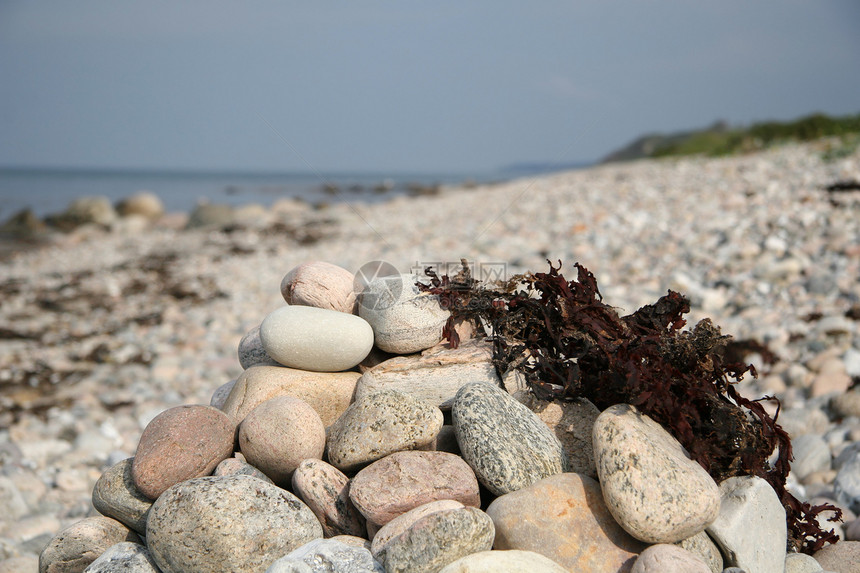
47, 191
50, 191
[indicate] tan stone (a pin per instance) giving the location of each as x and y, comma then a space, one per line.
563, 517
329, 393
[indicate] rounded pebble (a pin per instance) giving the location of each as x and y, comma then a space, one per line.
251, 351
116, 496
124, 557
510, 561
325, 489
663, 558
404, 320
181, 443
651, 486
404, 480
316, 339
254, 523
438, 539
842, 557
320, 284
327, 556
382, 423
81, 543
503, 441
278, 434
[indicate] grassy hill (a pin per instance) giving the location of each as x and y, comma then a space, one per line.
721, 139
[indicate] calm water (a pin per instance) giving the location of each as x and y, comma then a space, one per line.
51, 191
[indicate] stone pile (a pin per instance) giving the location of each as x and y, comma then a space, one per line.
327, 454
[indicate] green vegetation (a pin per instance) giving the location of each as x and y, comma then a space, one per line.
720, 139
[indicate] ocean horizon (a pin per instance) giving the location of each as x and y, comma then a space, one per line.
47, 191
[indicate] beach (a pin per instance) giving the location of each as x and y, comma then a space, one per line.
102, 329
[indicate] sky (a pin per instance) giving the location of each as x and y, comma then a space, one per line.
443, 86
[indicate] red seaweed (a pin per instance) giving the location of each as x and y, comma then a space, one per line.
569, 344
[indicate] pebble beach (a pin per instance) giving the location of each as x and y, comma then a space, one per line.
106, 326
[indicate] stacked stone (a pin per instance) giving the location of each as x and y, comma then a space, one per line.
356, 440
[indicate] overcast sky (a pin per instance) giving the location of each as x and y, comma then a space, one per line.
403, 86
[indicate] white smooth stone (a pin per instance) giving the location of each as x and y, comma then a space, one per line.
317, 339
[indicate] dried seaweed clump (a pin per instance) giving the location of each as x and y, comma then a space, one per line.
569, 344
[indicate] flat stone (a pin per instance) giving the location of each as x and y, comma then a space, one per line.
750, 528
404, 480
278, 434
705, 548
116, 496
325, 489
405, 520
564, 518
251, 351
12, 504
651, 486
503, 441
811, 454
327, 393
404, 320
663, 558
233, 523
126, 557
438, 539
435, 375
511, 561
181, 443
79, 544
316, 339
801, 563
21, 564
235, 467
572, 423
321, 285
382, 423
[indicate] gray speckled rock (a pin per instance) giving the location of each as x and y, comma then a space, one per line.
124, 557
703, 546
651, 486
382, 423
116, 496
251, 351
504, 442
573, 425
564, 518
235, 467
327, 556
316, 339
320, 284
404, 480
750, 528
405, 520
79, 544
438, 539
278, 434
663, 558
325, 489
404, 320
253, 522
510, 561
801, 563
435, 375
329, 393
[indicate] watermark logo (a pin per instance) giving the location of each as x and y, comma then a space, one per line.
387, 285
